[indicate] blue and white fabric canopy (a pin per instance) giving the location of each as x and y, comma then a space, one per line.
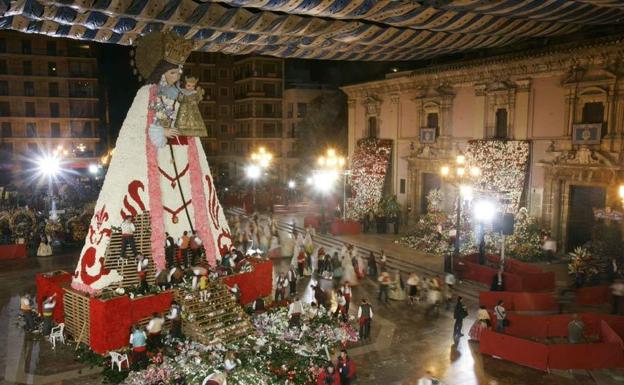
315, 29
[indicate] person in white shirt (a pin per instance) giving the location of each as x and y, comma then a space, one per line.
413, 283
154, 330
280, 287
427, 379
501, 316
175, 315
127, 237
142, 264
617, 291
294, 312
365, 317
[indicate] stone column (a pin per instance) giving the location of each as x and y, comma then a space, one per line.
395, 100
352, 127
522, 110
479, 116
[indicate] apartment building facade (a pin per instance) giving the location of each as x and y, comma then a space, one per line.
48, 98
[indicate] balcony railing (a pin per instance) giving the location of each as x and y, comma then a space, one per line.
78, 53
70, 74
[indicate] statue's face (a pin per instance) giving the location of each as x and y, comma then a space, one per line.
172, 76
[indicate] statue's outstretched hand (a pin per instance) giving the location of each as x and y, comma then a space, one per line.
171, 132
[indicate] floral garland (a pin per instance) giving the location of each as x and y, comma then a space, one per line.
504, 165
368, 172
275, 355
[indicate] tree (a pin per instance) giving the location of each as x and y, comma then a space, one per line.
325, 125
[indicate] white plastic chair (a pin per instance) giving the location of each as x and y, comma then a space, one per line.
57, 333
118, 359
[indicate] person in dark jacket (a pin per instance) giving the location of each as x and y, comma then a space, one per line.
459, 315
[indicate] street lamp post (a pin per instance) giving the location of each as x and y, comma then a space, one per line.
260, 161
333, 163
461, 177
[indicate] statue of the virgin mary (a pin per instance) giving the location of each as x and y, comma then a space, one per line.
154, 169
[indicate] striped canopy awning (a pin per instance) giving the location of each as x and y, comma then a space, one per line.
315, 29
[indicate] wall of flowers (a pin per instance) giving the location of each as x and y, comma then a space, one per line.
504, 167
369, 167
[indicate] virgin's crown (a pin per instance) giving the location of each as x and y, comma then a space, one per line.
157, 46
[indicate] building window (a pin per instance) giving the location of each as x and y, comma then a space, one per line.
7, 132
31, 129
402, 186
2, 45
3, 67
4, 87
224, 129
53, 89
87, 130
224, 146
223, 74
26, 47
51, 68
5, 109
224, 111
290, 110
593, 112
51, 48
32, 147
29, 89
55, 130
372, 126
302, 109
501, 124
29, 109
55, 110
27, 68
223, 91
432, 122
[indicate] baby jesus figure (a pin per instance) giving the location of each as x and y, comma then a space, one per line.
189, 121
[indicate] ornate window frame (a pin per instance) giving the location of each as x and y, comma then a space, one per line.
438, 100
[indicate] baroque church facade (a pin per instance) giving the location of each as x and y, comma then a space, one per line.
566, 101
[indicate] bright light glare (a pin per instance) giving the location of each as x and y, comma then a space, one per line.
445, 170
475, 171
253, 171
465, 191
93, 168
49, 165
291, 184
484, 211
461, 159
461, 171
622, 191
324, 180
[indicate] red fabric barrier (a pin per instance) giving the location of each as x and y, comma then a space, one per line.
518, 276
595, 295
312, 221
13, 251
534, 302
489, 299
144, 307
585, 356
48, 285
110, 322
544, 281
518, 350
609, 336
348, 227
526, 327
615, 322
258, 283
